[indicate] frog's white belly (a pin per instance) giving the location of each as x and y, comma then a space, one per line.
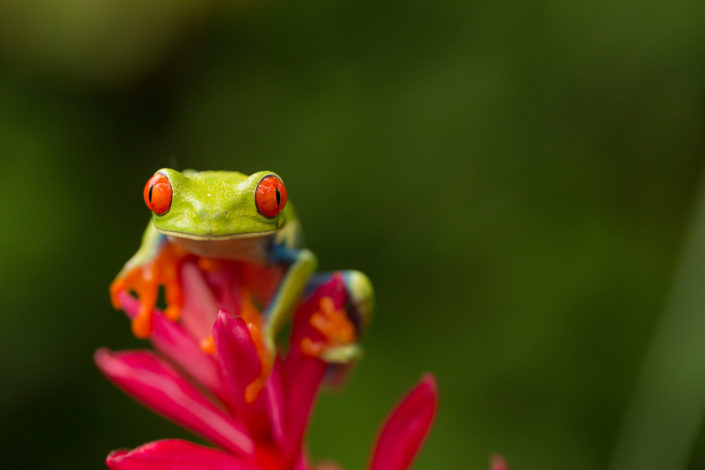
239, 248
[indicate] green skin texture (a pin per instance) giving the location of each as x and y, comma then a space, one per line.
217, 203
212, 207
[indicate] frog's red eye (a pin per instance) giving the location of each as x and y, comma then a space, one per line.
270, 196
157, 194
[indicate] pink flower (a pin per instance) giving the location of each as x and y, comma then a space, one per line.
205, 393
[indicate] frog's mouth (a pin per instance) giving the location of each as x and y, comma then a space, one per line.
215, 237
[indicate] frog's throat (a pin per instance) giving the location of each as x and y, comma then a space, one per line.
201, 237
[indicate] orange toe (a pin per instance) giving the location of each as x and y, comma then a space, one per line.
142, 325
173, 312
117, 286
144, 281
334, 325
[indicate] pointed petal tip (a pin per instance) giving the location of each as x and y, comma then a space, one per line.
170, 454
228, 327
100, 354
225, 320
497, 462
154, 383
224, 315
407, 426
128, 304
240, 366
429, 383
425, 395
115, 457
104, 359
328, 466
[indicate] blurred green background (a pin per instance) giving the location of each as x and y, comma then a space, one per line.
517, 178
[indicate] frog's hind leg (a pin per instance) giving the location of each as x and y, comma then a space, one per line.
340, 328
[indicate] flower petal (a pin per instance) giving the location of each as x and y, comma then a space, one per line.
172, 454
301, 374
300, 397
174, 342
200, 306
240, 365
406, 427
334, 289
302, 462
275, 403
229, 281
160, 387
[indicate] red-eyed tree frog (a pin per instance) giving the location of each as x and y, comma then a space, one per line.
221, 215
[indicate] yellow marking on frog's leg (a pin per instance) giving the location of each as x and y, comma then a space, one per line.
144, 280
361, 296
335, 326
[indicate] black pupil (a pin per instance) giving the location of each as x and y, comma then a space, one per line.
150, 192
279, 196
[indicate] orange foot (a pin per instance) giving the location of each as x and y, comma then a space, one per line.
334, 325
144, 280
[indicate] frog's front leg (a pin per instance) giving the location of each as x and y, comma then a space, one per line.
301, 263
155, 264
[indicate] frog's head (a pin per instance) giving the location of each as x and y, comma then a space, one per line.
215, 204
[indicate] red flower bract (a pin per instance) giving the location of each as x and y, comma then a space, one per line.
205, 393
